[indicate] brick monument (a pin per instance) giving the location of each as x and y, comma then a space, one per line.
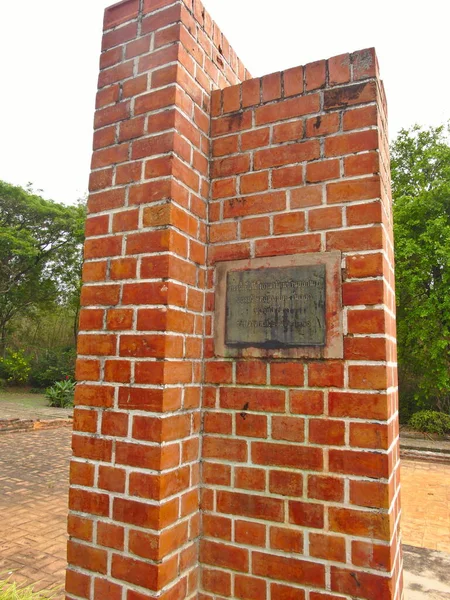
236, 430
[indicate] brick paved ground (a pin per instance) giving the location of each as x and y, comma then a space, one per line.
33, 505
426, 504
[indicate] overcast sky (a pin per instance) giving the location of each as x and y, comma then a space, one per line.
49, 69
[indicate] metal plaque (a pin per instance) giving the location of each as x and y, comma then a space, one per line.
276, 307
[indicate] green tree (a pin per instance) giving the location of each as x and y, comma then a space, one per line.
40, 254
421, 190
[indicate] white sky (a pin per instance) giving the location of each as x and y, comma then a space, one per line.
49, 69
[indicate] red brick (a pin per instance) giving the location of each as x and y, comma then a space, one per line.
225, 145
352, 462
288, 569
306, 514
288, 109
364, 214
293, 81
119, 319
365, 348
310, 195
371, 494
92, 448
231, 99
249, 588
327, 547
287, 177
367, 292
370, 265
115, 424
372, 556
234, 165
252, 399
248, 505
285, 592
287, 374
366, 321
368, 377
111, 536
288, 428
87, 370
286, 483
350, 143
215, 581
322, 171
339, 69
111, 479
216, 527
94, 395
107, 295
288, 132
349, 95
255, 139
366, 188
251, 205
315, 75
289, 540
251, 372
322, 125
330, 489
247, 532
251, 425
250, 479
251, 92
288, 245
287, 455
329, 217
292, 222
360, 118
223, 555
91, 319
364, 64
306, 402
225, 449
257, 227
358, 405
254, 182
218, 372
231, 124
326, 374
362, 164
284, 155
327, 432
86, 557
271, 87
366, 585
106, 589
78, 584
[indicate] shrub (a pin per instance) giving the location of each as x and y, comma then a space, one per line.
14, 367
52, 366
60, 395
431, 421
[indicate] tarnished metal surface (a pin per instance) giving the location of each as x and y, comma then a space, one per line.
276, 307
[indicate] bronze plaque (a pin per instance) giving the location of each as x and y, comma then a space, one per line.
276, 307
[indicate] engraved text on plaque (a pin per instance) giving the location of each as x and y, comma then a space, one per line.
276, 307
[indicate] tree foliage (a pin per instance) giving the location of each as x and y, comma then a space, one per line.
40, 254
421, 190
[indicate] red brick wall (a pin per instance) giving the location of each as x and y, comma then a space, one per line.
294, 493
300, 458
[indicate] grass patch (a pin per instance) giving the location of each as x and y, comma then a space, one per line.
10, 591
23, 397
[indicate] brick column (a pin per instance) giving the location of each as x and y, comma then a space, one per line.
300, 471
134, 498
300, 452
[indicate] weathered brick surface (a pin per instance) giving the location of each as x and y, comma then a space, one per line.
196, 163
